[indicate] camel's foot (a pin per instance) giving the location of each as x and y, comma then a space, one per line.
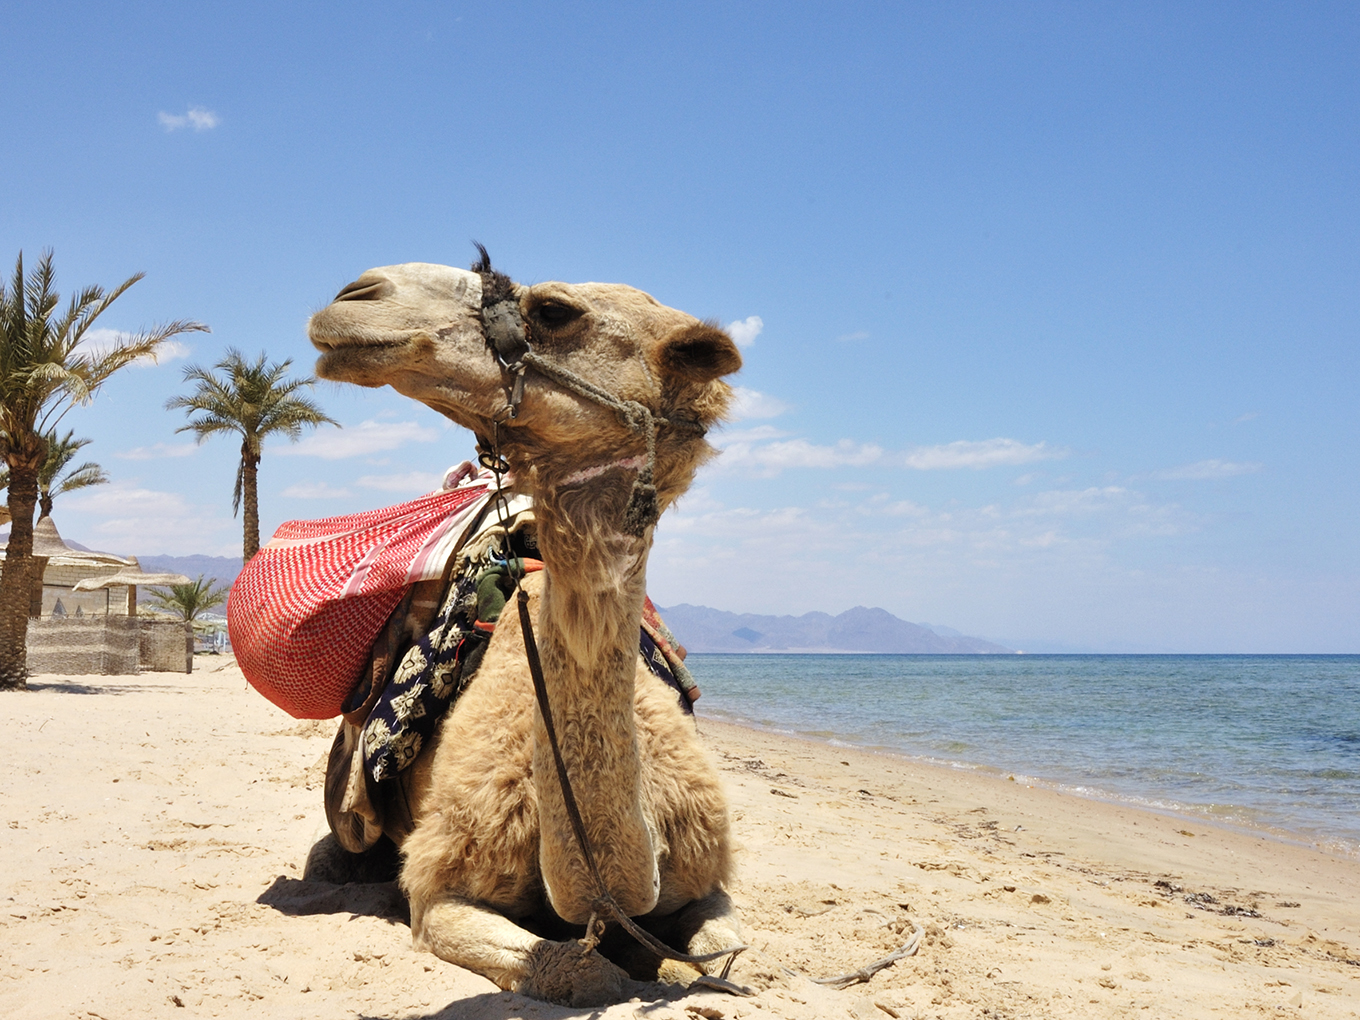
328, 861
675, 972
564, 973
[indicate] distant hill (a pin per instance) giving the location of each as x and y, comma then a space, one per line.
701, 629
224, 568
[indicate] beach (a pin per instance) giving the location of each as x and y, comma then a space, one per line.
154, 831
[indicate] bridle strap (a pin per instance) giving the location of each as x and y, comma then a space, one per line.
508, 337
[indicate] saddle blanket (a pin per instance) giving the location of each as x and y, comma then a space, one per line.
305, 611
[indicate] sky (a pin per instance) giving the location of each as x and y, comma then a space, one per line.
1048, 310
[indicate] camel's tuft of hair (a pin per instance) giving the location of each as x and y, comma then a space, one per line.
496, 286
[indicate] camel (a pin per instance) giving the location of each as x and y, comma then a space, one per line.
491, 867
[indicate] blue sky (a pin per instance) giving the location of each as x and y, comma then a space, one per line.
1050, 309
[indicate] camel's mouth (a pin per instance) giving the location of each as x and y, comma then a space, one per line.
354, 357
331, 344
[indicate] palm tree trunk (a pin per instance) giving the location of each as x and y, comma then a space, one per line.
250, 464
16, 581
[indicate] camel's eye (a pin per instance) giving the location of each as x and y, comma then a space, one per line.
554, 314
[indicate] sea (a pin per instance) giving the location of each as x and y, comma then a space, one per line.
1260, 742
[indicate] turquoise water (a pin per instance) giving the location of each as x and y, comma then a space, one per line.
1259, 741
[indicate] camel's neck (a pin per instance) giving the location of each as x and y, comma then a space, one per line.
588, 639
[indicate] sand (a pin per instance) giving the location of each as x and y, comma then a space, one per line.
153, 832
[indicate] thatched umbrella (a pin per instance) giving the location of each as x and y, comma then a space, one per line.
131, 578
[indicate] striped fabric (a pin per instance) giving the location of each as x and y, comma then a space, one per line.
304, 613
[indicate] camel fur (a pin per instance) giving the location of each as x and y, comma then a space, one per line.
491, 867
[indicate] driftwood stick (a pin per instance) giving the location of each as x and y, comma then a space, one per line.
909, 948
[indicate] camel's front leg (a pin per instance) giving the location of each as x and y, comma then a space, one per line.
478, 938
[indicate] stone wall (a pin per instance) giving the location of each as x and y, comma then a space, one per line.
164, 646
102, 644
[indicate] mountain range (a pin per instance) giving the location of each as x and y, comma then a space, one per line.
861, 629
701, 629
224, 568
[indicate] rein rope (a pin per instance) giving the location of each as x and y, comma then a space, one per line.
507, 336
604, 904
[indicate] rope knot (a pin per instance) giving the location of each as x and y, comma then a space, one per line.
634, 415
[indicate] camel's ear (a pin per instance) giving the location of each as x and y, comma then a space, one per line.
699, 353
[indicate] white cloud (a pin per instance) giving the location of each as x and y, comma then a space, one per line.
196, 117
988, 453
745, 449
1246, 417
1035, 533
744, 331
314, 490
859, 334
132, 520
416, 483
1209, 469
1127, 512
1066, 502
98, 342
771, 458
905, 508
750, 403
158, 451
751, 435
360, 440
172, 350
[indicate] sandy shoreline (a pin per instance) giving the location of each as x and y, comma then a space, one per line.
153, 832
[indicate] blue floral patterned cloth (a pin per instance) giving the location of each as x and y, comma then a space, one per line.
441, 663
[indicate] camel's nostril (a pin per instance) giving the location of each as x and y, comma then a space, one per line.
364, 290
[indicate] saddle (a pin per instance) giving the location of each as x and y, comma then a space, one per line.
426, 655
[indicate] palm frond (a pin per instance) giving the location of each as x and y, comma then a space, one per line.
186, 601
80, 478
43, 370
252, 398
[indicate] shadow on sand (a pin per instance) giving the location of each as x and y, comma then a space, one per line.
76, 687
653, 1000
298, 896
336, 882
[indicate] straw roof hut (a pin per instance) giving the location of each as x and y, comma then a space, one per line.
84, 582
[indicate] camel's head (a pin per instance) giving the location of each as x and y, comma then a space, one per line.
423, 330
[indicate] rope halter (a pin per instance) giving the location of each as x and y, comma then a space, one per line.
508, 337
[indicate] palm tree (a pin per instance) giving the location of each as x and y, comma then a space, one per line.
185, 602
254, 401
44, 372
52, 481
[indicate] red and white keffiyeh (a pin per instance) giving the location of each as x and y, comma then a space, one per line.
305, 611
